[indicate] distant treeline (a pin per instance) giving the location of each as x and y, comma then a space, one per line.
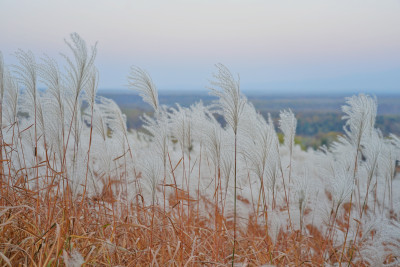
319, 117
316, 123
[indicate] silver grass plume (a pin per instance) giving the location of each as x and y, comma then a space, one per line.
55, 101
40, 117
99, 123
201, 118
79, 73
372, 153
302, 195
159, 130
51, 77
396, 142
182, 127
91, 88
141, 81
260, 141
9, 94
270, 121
2, 86
212, 139
272, 174
227, 89
10, 111
341, 184
287, 124
391, 159
209, 132
75, 259
113, 117
387, 163
274, 226
2, 81
80, 70
151, 171
227, 169
27, 77
360, 117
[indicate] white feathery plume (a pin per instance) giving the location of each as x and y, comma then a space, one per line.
99, 123
11, 93
270, 121
40, 117
2, 79
389, 159
227, 168
27, 77
113, 116
2, 86
227, 89
209, 132
387, 162
27, 72
372, 153
152, 172
91, 88
212, 138
182, 126
302, 195
80, 68
274, 226
141, 81
287, 124
341, 184
259, 142
159, 131
396, 142
75, 259
51, 77
272, 174
360, 117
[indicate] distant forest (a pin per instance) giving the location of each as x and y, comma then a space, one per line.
319, 118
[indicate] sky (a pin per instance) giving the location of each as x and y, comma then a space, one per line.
274, 45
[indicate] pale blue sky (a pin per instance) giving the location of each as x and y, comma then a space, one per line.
275, 45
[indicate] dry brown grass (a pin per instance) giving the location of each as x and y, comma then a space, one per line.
106, 233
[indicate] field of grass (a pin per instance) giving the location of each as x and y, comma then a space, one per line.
319, 117
77, 188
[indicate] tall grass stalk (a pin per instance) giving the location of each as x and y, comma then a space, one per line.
232, 103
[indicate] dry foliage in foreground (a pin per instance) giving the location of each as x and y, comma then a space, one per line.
54, 230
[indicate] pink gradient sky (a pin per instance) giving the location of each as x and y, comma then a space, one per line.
275, 45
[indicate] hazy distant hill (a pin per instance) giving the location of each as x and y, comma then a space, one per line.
317, 114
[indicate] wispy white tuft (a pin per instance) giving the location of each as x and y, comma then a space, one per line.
288, 124
227, 89
81, 66
360, 117
341, 185
141, 81
75, 259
